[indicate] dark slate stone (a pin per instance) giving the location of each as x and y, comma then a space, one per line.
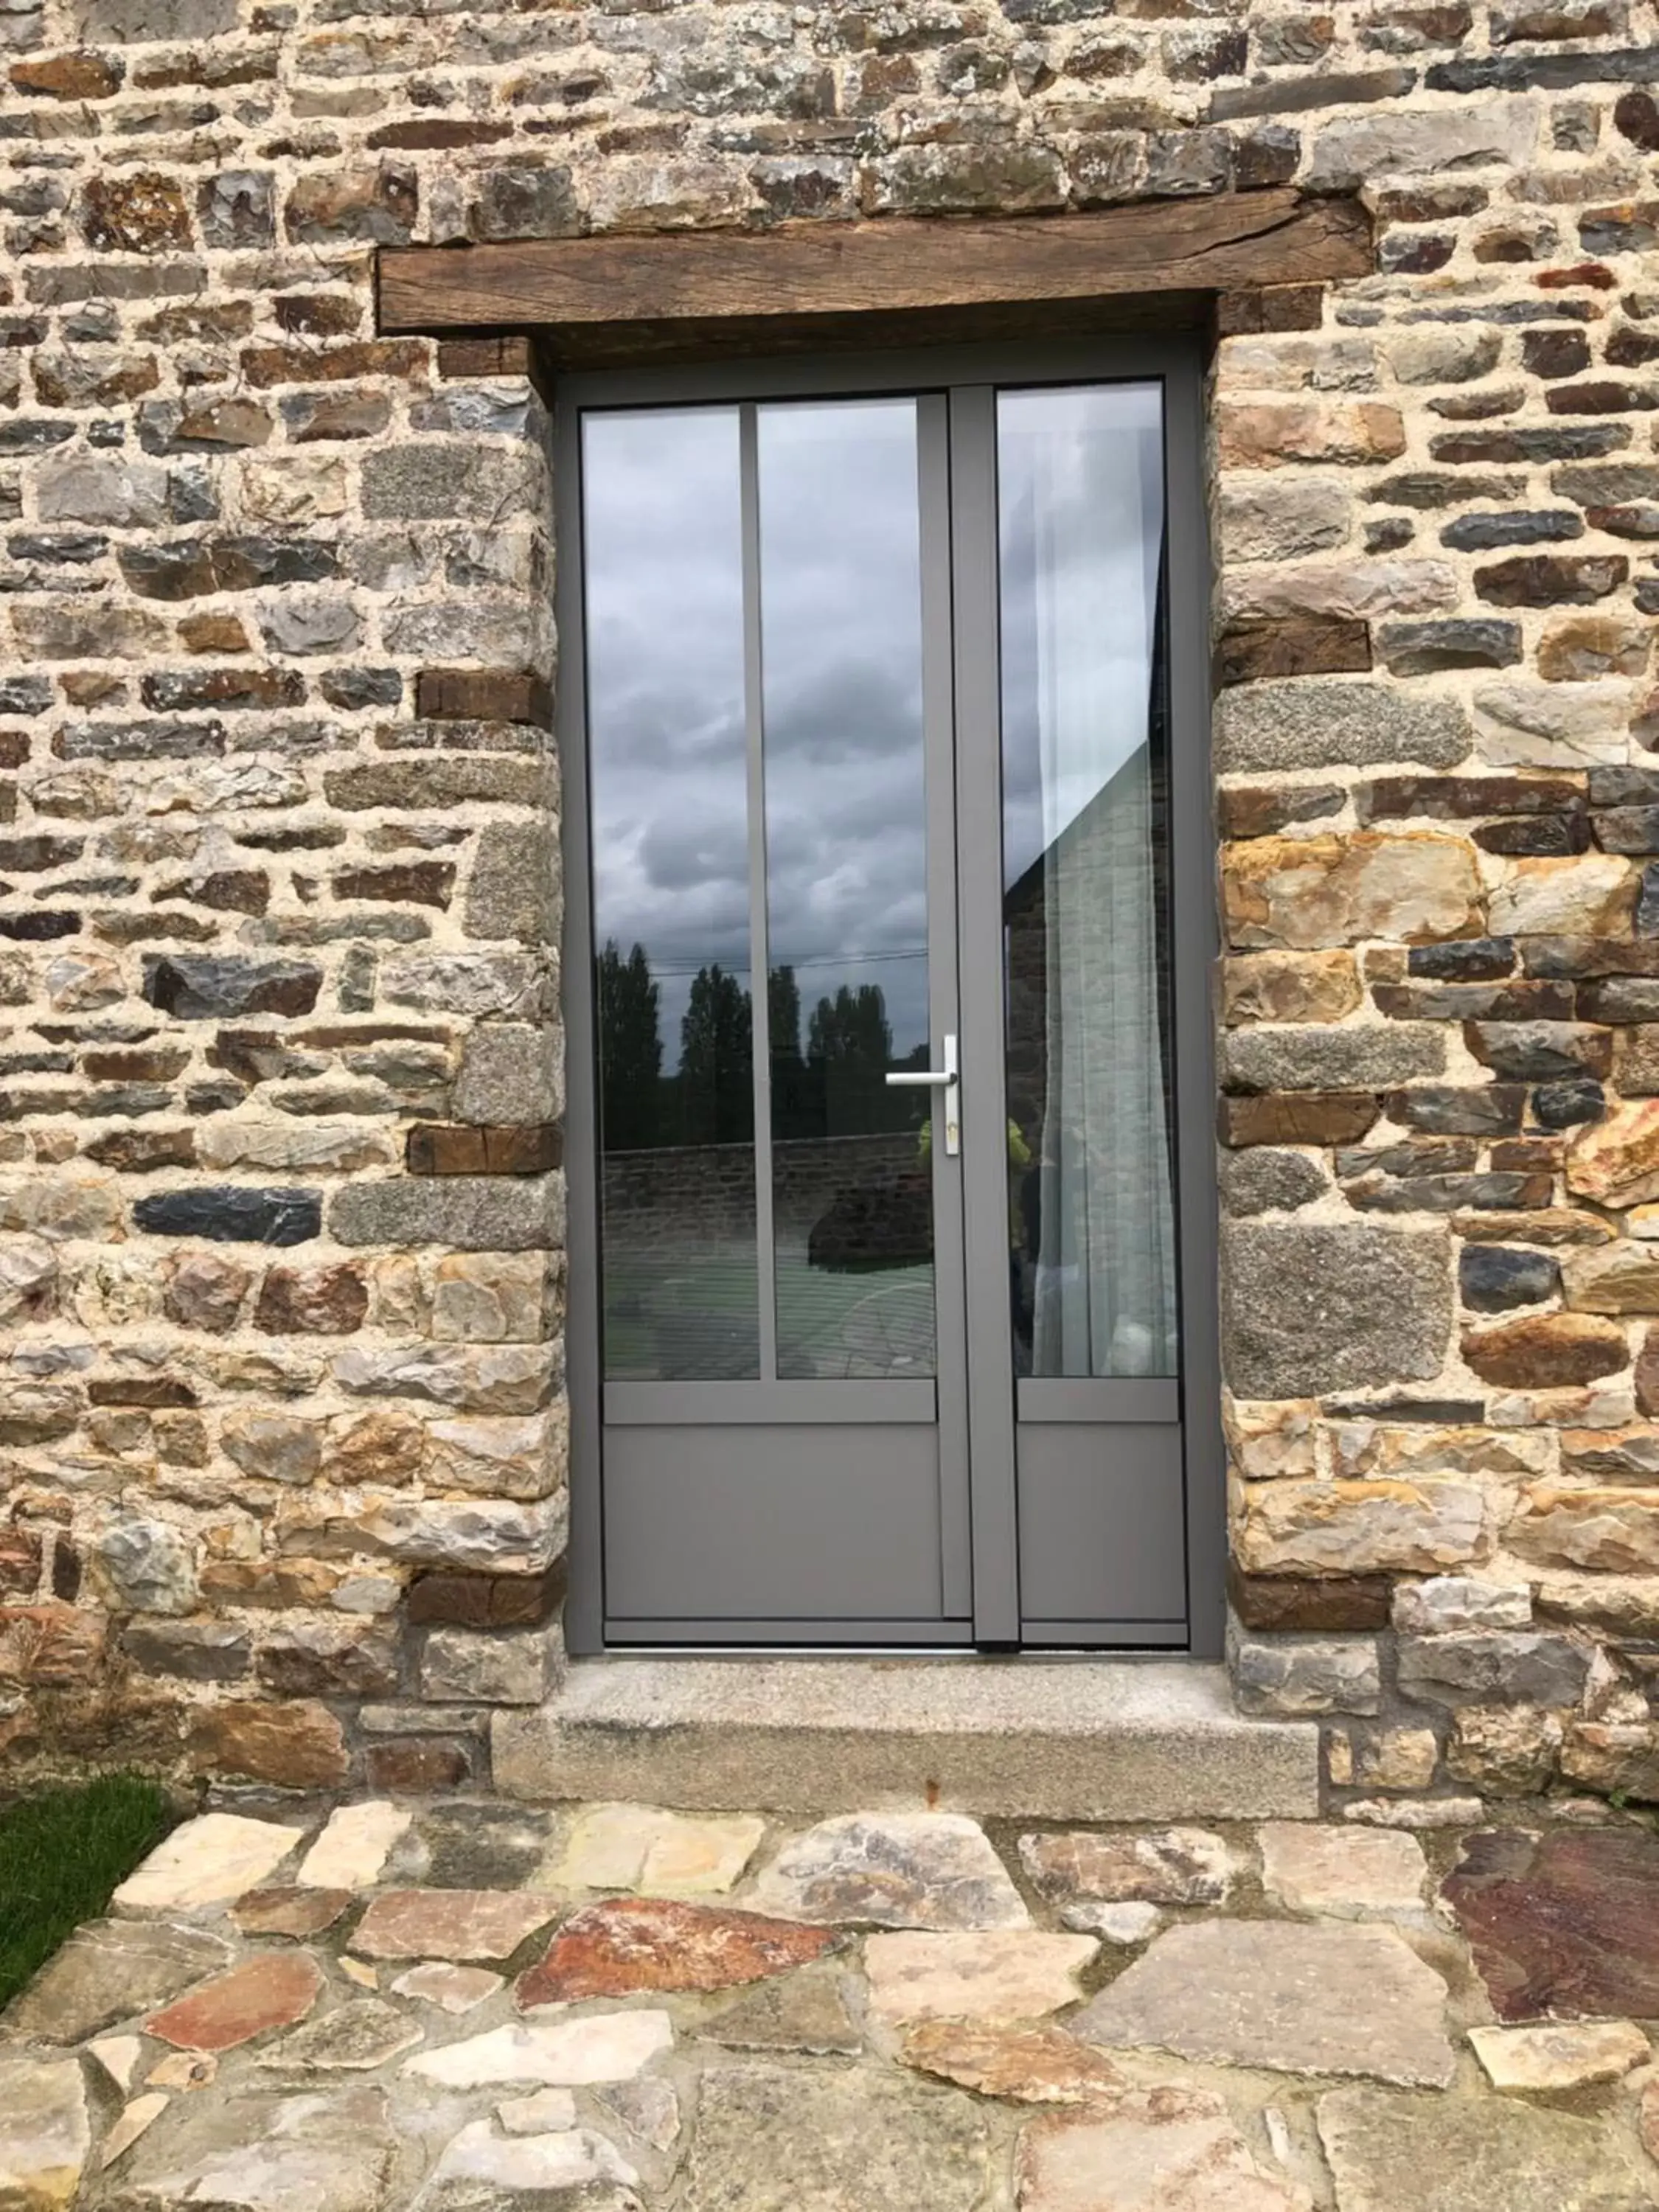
1443, 1412
1577, 441
1476, 533
1562, 1924
1540, 1051
1491, 1278
1549, 837
1448, 1193
1289, 96
1418, 648
1463, 960
1544, 72
1619, 998
1506, 1000
206, 988
1614, 483
34, 436
160, 739
1647, 903
1551, 580
1630, 228
232, 1213
24, 695
35, 928
351, 688
1424, 488
1492, 1109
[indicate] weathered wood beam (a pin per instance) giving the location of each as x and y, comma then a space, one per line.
578, 286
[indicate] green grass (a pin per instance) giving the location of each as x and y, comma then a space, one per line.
62, 1853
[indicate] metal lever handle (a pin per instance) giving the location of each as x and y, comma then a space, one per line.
940, 1078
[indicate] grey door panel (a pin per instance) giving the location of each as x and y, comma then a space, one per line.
806, 1523
1101, 1527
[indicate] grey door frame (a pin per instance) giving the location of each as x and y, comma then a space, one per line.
984, 1398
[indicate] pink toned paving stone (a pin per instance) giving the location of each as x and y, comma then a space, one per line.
451, 1923
272, 1990
1124, 2162
300, 1913
655, 1943
1029, 2066
1564, 1924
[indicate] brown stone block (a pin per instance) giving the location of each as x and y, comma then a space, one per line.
140, 1152
1300, 1117
457, 1600
1298, 645
414, 1765
1551, 579
295, 1746
134, 1390
1547, 1351
20, 1560
311, 1301
483, 694
1293, 1602
264, 366
49, 1646
135, 211
415, 883
69, 77
1270, 307
452, 1148
1259, 809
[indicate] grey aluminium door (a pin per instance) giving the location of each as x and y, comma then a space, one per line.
887, 929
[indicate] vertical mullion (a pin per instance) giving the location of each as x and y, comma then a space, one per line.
760, 1024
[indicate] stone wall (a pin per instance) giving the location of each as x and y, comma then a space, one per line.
280, 1202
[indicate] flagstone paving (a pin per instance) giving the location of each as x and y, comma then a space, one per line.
478, 2008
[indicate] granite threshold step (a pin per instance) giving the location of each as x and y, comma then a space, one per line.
1095, 1739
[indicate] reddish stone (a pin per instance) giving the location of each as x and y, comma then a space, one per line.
1298, 645
271, 1990
654, 1943
267, 365
20, 1560
1547, 1351
300, 1913
417, 1765
311, 1301
1298, 1117
69, 77
1563, 1924
421, 883
451, 1923
49, 1646
483, 694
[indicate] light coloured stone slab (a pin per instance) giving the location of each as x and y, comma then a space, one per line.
530, 2164
142, 2113
118, 2056
458, 1925
1124, 2163
1122, 1924
1295, 1998
544, 2112
774, 2139
553, 2054
642, 1847
330, 2153
1168, 1866
46, 2136
453, 1989
1000, 1976
934, 1870
1559, 2055
352, 1852
111, 1971
1088, 1741
1421, 2154
1346, 1874
646, 2107
209, 1861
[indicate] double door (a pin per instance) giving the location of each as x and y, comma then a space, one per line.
889, 918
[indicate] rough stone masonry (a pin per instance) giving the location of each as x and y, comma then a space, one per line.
280, 1192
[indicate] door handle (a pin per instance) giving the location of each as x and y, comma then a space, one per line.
938, 1079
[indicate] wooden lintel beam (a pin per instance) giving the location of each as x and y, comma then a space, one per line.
1231, 243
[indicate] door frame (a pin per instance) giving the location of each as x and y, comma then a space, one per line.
1196, 941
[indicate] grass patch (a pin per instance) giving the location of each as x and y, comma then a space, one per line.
62, 1853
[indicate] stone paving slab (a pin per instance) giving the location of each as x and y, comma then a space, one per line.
884, 2012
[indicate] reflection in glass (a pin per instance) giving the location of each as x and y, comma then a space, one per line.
1084, 722
664, 586
846, 886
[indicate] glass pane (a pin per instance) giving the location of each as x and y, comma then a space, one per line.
664, 590
1085, 748
847, 887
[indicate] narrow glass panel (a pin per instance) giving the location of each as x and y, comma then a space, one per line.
847, 887
664, 586
1084, 736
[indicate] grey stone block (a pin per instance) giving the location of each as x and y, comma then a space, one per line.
1311, 722
1294, 1056
1310, 1309
1493, 1666
468, 1213
514, 888
503, 1668
509, 1076
1263, 1180
1292, 1680
438, 482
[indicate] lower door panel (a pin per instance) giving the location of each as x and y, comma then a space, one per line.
1102, 1533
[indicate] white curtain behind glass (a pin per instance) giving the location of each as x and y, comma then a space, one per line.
1104, 1293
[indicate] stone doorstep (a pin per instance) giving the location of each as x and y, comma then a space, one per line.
1069, 1740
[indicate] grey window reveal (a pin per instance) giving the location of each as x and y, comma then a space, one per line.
882, 708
